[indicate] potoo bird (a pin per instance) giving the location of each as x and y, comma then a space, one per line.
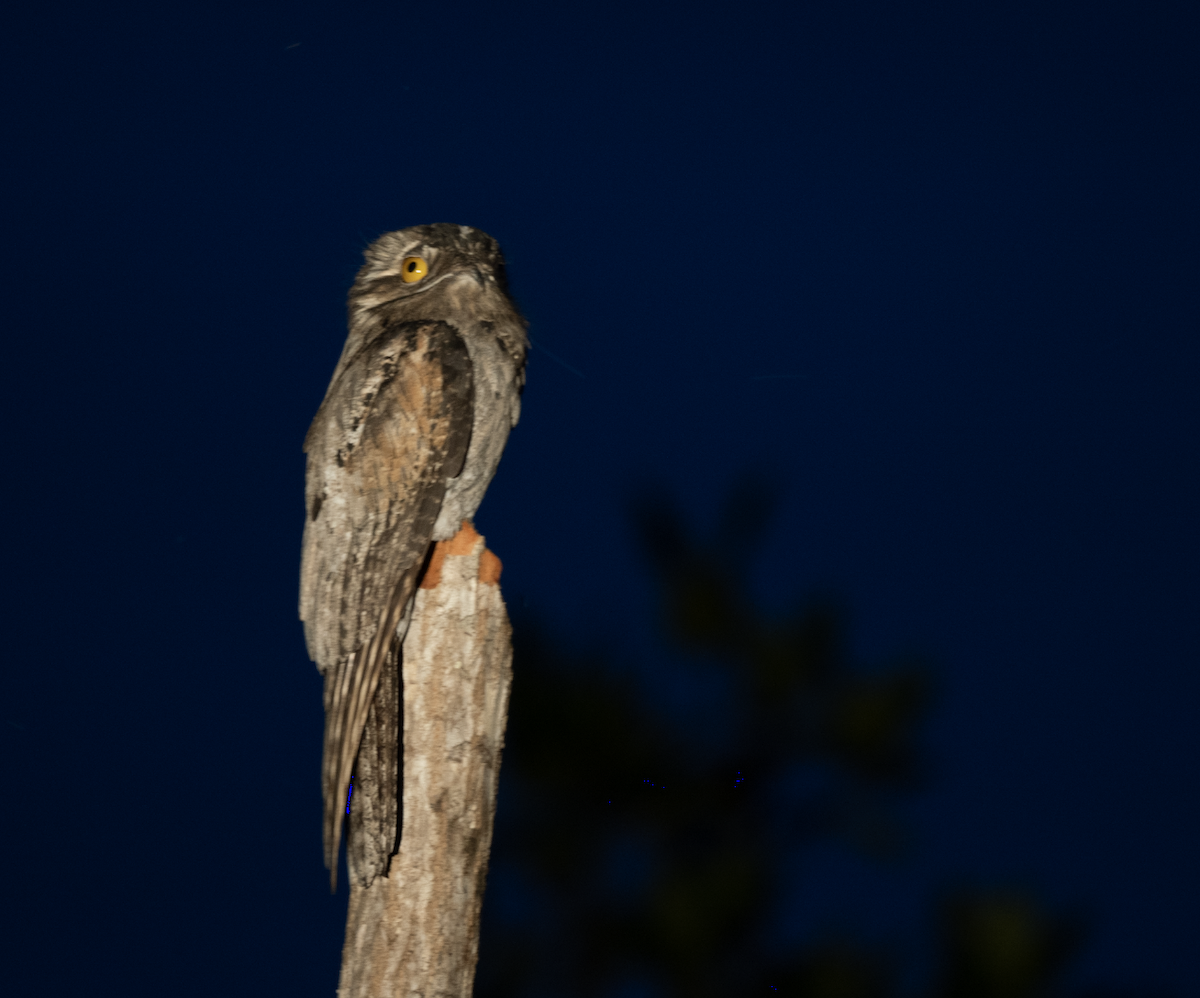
399, 455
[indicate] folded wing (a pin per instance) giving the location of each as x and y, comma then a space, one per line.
392, 431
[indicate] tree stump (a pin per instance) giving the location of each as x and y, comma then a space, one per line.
415, 932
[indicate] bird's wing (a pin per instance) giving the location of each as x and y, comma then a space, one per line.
394, 427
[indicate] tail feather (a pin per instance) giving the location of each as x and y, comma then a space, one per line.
350, 690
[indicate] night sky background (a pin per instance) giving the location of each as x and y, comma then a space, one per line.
931, 269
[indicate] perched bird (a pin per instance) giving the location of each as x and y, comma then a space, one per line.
399, 455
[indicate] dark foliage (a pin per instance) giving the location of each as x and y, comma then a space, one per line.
641, 852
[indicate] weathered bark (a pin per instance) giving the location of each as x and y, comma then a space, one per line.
415, 932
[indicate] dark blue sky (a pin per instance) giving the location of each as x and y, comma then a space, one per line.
933, 269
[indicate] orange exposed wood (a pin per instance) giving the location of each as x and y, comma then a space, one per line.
489, 568
462, 543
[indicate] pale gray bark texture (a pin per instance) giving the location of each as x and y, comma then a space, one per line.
415, 932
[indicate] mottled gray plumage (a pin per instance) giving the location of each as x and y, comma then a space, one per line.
399, 454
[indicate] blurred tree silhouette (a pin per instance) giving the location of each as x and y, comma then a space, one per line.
1002, 945
636, 854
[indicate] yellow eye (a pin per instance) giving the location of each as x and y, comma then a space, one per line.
413, 269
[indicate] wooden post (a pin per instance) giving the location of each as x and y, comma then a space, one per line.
415, 932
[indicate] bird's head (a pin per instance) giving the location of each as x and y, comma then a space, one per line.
409, 264
445, 273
